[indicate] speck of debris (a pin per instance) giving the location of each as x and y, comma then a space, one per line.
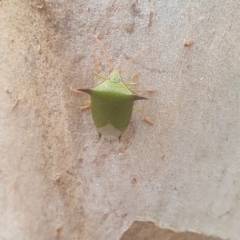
189, 43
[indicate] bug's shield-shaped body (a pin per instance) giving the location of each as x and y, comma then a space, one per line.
112, 105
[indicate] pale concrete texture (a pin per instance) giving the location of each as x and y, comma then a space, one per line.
58, 181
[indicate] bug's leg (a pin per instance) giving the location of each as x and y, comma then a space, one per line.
133, 57
133, 81
145, 90
143, 115
133, 77
96, 68
136, 91
100, 76
104, 53
86, 103
75, 90
130, 84
96, 62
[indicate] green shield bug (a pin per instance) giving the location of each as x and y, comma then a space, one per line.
112, 101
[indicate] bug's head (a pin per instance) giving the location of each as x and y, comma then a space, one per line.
115, 76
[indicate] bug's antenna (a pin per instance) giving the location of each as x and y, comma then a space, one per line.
133, 57
104, 53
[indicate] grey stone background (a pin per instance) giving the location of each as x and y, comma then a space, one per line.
57, 181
